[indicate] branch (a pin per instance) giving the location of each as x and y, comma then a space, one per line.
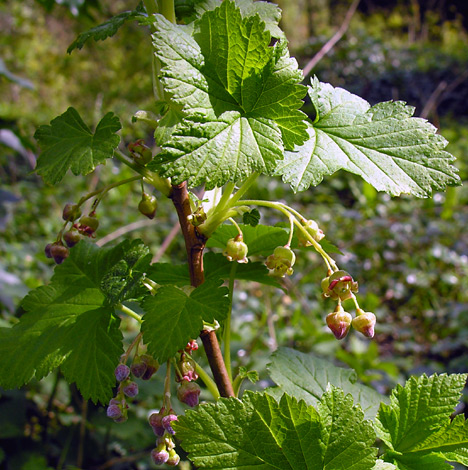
195, 244
328, 46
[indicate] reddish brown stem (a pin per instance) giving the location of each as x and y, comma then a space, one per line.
195, 244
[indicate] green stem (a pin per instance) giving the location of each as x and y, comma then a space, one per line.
166, 8
291, 230
286, 210
134, 343
223, 209
236, 385
235, 225
207, 380
130, 312
227, 324
243, 189
114, 185
167, 387
161, 184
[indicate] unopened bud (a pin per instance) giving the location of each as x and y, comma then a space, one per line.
236, 250
339, 322
364, 322
189, 393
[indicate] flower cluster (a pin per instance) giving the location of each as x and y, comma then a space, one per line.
142, 367
186, 374
161, 423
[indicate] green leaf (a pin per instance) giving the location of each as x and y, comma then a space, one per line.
68, 143
173, 317
416, 426
261, 433
251, 218
251, 375
70, 323
306, 377
383, 144
240, 96
106, 29
381, 465
268, 12
261, 240
121, 282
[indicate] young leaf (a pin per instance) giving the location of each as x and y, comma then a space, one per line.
261, 240
69, 143
173, 317
251, 218
259, 432
416, 426
106, 29
307, 377
383, 144
241, 98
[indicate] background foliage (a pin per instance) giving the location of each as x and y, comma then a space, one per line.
410, 256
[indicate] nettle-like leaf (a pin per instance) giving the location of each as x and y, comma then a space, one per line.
68, 143
261, 239
268, 12
383, 144
106, 29
173, 316
70, 323
307, 377
216, 266
416, 425
262, 433
241, 98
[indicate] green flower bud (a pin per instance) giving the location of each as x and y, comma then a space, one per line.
313, 230
140, 152
364, 322
281, 261
148, 205
236, 250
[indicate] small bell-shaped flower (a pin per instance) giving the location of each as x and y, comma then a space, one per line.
313, 230
339, 322
236, 249
339, 285
364, 322
282, 260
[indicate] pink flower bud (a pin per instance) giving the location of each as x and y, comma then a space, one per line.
189, 393
339, 322
364, 322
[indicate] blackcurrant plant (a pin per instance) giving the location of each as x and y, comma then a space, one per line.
229, 99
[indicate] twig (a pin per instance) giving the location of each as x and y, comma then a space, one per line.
166, 243
442, 89
328, 46
195, 244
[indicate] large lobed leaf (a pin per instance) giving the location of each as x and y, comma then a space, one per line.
68, 143
307, 377
240, 97
416, 425
261, 433
70, 323
383, 144
174, 316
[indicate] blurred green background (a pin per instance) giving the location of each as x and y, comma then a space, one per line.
409, 255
